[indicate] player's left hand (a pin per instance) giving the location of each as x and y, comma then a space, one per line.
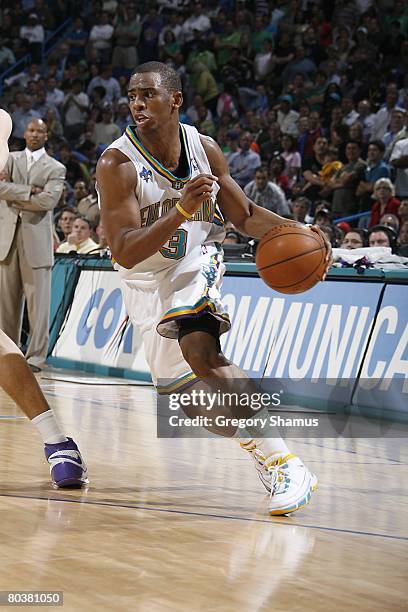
329, 258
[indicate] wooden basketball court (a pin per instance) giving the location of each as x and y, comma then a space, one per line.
182, 525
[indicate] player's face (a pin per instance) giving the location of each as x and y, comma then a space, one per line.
150, 103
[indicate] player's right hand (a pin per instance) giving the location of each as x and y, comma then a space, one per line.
196, 191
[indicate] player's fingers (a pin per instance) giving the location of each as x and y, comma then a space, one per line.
202, 178
201, 189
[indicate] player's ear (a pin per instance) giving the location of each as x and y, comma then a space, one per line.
177, 99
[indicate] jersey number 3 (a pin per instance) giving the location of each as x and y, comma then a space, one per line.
176, 246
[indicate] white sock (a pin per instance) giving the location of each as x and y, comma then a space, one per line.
269, 446
48, 428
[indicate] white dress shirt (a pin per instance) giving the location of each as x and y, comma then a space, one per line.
33, 156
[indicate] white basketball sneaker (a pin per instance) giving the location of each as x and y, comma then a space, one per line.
292, 484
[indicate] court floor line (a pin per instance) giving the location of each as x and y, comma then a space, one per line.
208, 515
121, 407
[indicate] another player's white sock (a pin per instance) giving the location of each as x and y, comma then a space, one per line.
268, 445
48, 428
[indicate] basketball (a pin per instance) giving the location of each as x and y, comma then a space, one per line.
291, 259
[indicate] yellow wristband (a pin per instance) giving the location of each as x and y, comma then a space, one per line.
184, 212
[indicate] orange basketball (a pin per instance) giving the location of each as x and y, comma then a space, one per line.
290, 258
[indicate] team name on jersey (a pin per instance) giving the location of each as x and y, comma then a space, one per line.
151, 213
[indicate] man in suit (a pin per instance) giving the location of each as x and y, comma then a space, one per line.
65, 460
31, 187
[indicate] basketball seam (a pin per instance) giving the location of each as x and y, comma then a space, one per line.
264, 243
302, 281
277, 263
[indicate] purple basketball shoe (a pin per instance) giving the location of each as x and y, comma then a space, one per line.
66, 464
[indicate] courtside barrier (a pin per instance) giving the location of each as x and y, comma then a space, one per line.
345, 341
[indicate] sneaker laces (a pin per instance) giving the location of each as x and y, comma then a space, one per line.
278, 479
277, 472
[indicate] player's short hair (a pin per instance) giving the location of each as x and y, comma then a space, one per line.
170, 79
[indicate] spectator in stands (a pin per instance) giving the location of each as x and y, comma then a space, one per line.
399, 160
382, 236
300, 207
391, 221
64, 222
205, 85
22, 117
271, 145
7, 57
88, 204
79, 240
293, 162
55, 129
105, 131
345, 182
225, 42
309, 137
287, 117
263, 62
312, 167
365, 118
383, 117
267, 194
385, 202
77, 40
376, 168
33, 34
108, 82
244, 163
101, 37
403, 211
30, 189
75, 108
396, 125
403, 240
123, 116
100, 235
198, 21
127, 34
55, 95
350, 115
62, 60
354, 239
299, 65
277, 172
73, 167
149, 36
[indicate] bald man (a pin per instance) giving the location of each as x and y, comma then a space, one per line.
17, 379
31, 188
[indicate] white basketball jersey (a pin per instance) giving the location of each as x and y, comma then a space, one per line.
158, 190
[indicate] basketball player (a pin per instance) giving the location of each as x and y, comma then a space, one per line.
159, 187
66, 464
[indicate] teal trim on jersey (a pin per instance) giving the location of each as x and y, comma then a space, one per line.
157, 166
179, 384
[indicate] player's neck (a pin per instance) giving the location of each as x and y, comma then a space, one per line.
165, 146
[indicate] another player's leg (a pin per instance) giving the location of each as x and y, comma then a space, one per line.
283, 474
66, 464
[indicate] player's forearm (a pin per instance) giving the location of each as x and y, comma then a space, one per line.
136, 245
260, 220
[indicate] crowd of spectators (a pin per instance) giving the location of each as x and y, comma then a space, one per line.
308, 100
